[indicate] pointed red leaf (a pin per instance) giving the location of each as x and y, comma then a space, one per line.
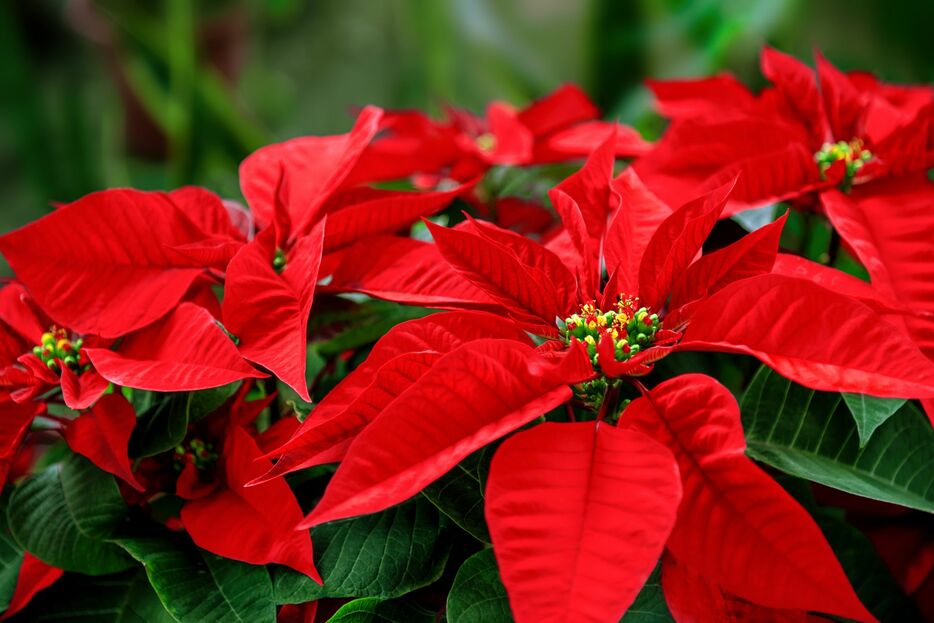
584, 252
526, 291
470, 397
639, 215
753, 254
736, 526
582, 139
675, 244
325, 438
123, 275
102, 435
406, 271
893, 244
716, 97
81, 391
564, 106
185, 351
34, 575
843, 102
798, 84
590, 187
315, 165
257, 524
385, 214
268, 310
579, 515
811, 335
692, 598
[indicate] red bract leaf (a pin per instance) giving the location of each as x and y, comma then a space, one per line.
811, 335
298, 613
579, 514
676, 243
470, 397
639, 215
17, 312
563, 107
524, 290
208, 212
326, 439
842, 100
692, 598
81, 391
385, 214
252, 524
753, 254
407, 271
583, 138
268, 310
315, 165
13, 428
185, 351
797, 82
34, 575
894, 244
590, 188
584, 256
102, 435
717, 97
123, 275
736, 526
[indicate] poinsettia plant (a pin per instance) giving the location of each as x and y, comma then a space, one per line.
391, 387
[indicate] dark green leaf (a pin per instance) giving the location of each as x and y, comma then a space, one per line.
375, 610
650, 605
161, 427
478, 594
366, 323
459, 493
205, 402
63, 515
11, 557
126, 598
382, 555
871, 412
811, 435
199, 587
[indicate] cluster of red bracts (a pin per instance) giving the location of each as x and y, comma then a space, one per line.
590, 306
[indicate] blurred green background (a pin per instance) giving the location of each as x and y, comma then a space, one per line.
156, 94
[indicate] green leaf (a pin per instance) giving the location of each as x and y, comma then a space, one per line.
162, 427
205, 402
126, 598
811, 435
63, 515
383, 555
478, 594
375, 610
361, 325
11, 557
459, 493
870, 412
200, 587
650, 605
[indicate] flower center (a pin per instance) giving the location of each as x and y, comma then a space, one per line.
278, 261
57, 348
196, 451
852, 154
486, 142
631, 328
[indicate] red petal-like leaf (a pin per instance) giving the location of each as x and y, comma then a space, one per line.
692, 598
639, 215
564, 106
584, 256
102, 435
736, 526
316, 166
81, 391
811, 335
34, 575
184, 351
797, 82
268, 310
676, 243
524, 290
470, 397
407, 271
123, 275
385, 214
579, 515
753, 254
590, 188
717, 97
325, 438
252, 524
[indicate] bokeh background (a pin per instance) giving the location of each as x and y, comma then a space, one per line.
160, 93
